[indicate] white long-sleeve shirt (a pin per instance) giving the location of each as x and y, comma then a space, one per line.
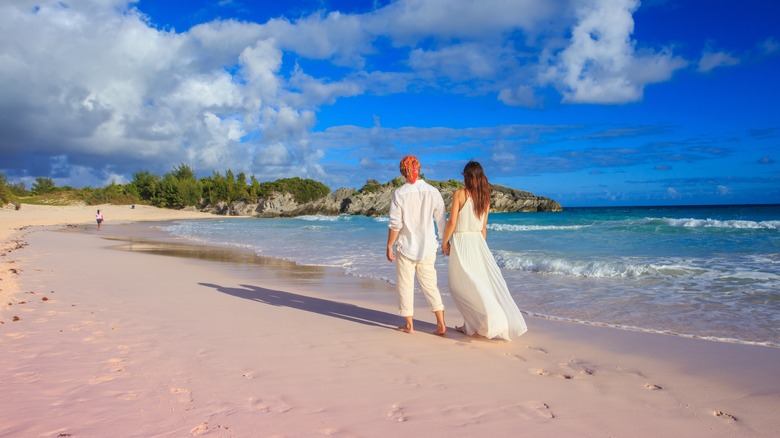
413, 210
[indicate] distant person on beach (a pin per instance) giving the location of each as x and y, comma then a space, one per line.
476, 283
414, 208
99, 219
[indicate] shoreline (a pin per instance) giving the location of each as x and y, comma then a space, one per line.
170, 346
167, 244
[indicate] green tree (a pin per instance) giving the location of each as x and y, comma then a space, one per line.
242, 191
144, 185
183, 172
215, 188
43, 185
179, 189
254, 188
5, 191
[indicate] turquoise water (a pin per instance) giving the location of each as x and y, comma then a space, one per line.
710, 272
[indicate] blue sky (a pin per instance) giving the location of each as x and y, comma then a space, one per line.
589, 102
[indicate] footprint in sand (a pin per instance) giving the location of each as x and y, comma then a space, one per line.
652, 387
539, 349
116, 364
462, 415
581, 367
183, 395
127, 396
543, 372
515, 356
397, 413
282, 407
200, 429
530, 410
204, 428
258, 405
101, 379
542, 409
725, 416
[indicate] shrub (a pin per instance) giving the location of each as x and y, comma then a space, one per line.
112, 194
303, 190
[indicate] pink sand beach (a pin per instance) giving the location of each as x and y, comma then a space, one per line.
128, 332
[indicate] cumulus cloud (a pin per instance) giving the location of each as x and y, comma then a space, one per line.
92, 90
601, 64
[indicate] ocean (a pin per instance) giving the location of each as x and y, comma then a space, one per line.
708, 272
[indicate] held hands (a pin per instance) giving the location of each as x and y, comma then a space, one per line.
445, 248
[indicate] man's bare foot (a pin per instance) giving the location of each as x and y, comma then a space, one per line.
405, 329
441, 326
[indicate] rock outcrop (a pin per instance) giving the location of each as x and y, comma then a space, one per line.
374, 202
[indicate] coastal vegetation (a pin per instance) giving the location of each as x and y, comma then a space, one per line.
179, 188
240, 194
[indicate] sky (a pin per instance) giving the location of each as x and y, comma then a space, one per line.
588, 102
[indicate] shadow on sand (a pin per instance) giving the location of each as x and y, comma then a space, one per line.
334, 309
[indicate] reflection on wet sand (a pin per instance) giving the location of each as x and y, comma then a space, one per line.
239, 257
148, 238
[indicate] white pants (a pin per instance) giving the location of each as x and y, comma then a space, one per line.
405, 268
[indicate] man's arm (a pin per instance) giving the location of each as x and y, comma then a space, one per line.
440, 216
392, 235
394, 226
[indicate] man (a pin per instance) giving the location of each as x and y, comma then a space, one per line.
414, 208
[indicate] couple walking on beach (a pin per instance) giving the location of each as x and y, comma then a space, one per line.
476, 283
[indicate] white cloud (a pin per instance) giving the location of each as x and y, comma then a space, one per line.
95, 82
459, 62
274, 154
93, 79
712, 60
336, 36
600, 63
723, 190
519, 96
315, 92
410, 21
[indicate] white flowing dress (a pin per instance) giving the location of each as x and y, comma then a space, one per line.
476, 283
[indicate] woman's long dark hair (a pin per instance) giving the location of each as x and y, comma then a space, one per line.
478, 187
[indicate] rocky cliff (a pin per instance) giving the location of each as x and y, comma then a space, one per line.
374, 200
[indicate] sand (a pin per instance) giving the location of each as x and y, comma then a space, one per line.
127, 332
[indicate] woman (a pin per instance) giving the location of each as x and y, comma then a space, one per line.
476, 283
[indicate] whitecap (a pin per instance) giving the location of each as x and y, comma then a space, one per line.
715, 223
510, 227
